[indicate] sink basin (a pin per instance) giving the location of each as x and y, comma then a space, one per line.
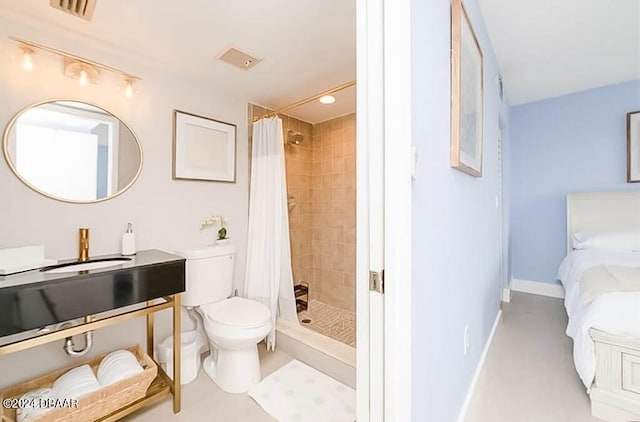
84, 266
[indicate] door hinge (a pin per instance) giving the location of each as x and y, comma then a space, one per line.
376, 281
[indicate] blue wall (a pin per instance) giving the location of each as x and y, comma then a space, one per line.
456, 223
572, 143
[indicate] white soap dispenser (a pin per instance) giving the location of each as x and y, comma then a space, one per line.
129, 241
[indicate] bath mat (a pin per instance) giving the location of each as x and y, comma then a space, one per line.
298, 393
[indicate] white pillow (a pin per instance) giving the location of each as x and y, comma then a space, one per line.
627, 241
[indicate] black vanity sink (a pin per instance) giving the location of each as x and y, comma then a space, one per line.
37, 298
90, 264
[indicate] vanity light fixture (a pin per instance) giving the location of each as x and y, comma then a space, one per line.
27, 59
327, 99
84, 70
128, 89
83, 77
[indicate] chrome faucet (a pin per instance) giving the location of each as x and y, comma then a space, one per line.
83, 244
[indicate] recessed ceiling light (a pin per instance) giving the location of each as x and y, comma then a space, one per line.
327, 99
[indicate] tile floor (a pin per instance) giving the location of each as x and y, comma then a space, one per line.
529, 375
330, 321
202, 400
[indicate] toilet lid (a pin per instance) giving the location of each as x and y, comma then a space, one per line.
237, 312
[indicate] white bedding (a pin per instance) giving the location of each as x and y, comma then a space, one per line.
614, 313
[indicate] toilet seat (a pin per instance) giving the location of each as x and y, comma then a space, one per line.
237, 312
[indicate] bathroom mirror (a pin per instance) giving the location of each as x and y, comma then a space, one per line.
72, 151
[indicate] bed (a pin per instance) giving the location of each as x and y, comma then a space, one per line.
605, 326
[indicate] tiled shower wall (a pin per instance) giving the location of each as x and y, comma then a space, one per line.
333, 199
321, 184
299, 169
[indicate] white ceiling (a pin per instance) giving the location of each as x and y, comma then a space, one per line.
306, 46
315, 111
547, 48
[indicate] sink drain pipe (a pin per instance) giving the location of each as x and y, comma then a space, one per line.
69, 346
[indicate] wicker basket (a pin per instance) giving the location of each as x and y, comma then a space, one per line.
92, 406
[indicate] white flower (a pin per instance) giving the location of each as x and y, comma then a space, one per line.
218, 220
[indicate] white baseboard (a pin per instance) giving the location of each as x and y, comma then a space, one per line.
506, 295
476, 375
538, 288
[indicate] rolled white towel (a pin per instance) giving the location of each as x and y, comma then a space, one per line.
34, 397
117, 366
76, 383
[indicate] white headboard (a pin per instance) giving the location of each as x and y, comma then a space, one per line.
599, 212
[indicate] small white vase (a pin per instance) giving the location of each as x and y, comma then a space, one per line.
223, 241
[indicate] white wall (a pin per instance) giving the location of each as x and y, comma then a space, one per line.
166, 214
456, 222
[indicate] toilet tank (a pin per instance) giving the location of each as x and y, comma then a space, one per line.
209, 274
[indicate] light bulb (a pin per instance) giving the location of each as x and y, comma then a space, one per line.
327, 99
128, 90
27, 61
83, 77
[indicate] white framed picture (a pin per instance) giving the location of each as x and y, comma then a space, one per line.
203, 148
633, 147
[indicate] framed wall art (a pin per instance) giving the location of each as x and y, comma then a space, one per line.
203, 148
466, 94
633, 147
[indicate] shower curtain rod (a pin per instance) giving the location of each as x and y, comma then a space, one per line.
309, 99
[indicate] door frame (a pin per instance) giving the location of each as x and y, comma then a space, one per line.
398, 210
384, 210
369, 85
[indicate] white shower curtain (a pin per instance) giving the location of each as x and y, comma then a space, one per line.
269, 278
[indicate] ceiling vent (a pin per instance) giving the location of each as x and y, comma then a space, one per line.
239, 58
79, 8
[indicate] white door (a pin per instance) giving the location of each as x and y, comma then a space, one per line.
384, 210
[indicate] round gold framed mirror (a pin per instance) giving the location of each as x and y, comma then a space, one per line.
72, 151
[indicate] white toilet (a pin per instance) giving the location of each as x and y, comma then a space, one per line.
233, 325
